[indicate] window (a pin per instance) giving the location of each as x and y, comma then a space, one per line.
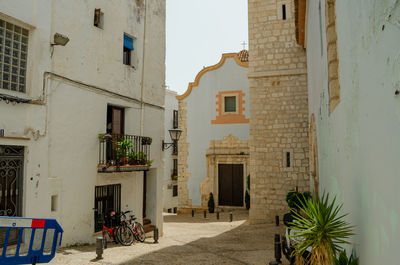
128, 50
284, 12
230, 104
98, 18
175, 168
13, 56
106, 199
175, 190
287, 159
175, 148
54, 200
175, 120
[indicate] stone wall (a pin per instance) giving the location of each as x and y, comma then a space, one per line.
278, 109
183, 147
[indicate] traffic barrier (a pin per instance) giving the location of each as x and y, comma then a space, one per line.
28, 240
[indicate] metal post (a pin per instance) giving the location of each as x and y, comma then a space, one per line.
99, 247
34, 260
277, 220
205, 213
192, 212
155, 235
230, 217
217, 215
278, 251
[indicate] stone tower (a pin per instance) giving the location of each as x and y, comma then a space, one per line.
278, 107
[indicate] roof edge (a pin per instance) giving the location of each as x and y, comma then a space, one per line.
211, 68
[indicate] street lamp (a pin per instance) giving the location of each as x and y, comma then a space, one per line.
174, 134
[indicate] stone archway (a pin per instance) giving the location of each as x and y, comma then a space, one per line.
314, 155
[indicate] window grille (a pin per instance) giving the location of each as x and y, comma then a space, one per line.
175, 120
230, 104
13, 56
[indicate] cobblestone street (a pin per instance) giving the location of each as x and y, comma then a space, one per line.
188, 240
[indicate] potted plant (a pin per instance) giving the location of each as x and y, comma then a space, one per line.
133, 158
247, 195
147, 140
211, 203
149, 162
123, 148
294, 198
101, 137
142, 158
318, 225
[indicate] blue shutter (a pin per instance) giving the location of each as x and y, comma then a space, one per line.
128, 43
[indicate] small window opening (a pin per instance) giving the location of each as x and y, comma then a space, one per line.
128, 50
284, 12
98, 18
230, 104
54, 200
175, 190
287, 159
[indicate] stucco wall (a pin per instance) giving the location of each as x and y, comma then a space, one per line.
171, 104
70, 106
201, 108
358, 142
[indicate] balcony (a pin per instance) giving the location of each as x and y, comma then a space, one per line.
123, 153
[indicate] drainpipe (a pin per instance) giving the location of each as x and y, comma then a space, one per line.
143, 63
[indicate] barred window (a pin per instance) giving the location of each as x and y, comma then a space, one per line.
13, 56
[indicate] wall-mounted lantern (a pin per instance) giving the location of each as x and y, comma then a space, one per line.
60, 39
174, 134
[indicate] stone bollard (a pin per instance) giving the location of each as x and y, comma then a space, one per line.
217, 215
205, 214
155, 234
99, 247
230, 217
192, 212
278, 250
277, 220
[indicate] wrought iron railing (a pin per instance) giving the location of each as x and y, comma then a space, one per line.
124, 150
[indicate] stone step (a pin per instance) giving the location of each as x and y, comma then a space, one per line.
148, 228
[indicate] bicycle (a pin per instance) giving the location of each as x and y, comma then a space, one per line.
122, 233
110, 232
136, 227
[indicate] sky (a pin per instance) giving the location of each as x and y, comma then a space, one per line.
198, 32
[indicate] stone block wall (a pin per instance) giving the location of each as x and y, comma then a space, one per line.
278, 109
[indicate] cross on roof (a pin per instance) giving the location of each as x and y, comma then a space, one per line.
244, 45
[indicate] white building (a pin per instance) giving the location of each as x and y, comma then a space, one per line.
353, 61
213, 148
109, 78
170, 187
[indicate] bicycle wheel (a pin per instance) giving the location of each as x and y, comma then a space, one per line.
125, 235
104, 242
139, 232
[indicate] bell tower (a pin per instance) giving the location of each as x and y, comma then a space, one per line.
278, 106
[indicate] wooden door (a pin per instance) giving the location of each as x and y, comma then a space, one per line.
230, 184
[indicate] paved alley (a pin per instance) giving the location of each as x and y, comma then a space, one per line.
189, 240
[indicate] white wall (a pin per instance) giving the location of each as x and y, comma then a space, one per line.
171, 104
62, 153
201, 109
358, 143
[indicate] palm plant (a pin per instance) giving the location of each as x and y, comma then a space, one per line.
320, 226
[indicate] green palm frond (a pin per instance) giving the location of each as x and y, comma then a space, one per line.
320, 224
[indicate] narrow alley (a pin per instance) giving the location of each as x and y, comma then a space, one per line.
189, 240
